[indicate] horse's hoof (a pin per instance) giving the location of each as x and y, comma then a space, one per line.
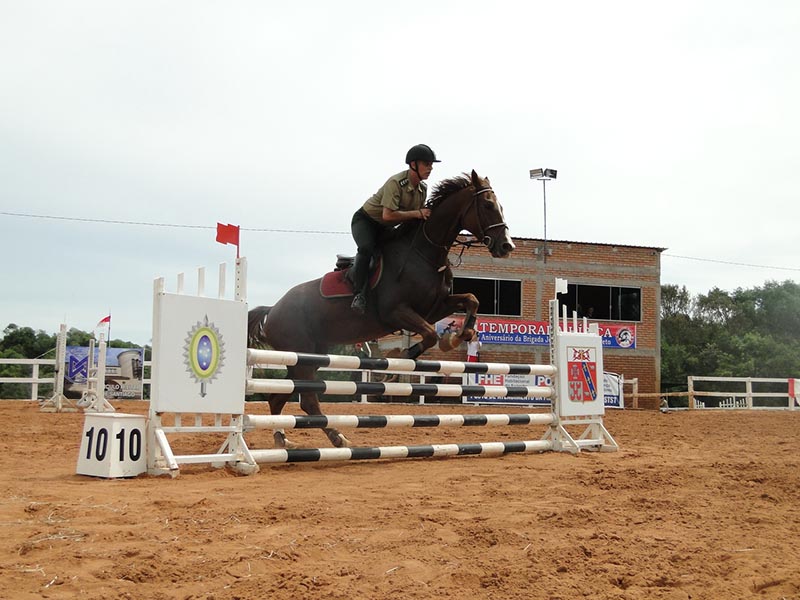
340, 441
281, 441
468, 335
448, 341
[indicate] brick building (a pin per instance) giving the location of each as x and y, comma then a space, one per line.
616, 286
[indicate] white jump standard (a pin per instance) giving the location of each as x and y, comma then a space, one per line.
201, 372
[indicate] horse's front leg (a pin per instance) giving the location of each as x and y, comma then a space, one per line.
454, 303
404, 317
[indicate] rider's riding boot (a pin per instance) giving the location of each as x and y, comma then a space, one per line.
360, 275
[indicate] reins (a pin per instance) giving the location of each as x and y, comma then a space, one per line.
485, 239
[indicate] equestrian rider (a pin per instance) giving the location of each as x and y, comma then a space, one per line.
401, 198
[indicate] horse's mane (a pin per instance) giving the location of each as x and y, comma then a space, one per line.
448, 187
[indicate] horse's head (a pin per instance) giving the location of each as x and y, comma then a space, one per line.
484, 218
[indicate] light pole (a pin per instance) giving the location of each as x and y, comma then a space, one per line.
544, 175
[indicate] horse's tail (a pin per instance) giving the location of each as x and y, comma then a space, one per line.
256, 324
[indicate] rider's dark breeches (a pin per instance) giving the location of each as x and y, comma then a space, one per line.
366, 232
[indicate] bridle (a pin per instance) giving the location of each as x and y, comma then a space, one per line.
485, 239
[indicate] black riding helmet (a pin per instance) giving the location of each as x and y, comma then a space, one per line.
422, 153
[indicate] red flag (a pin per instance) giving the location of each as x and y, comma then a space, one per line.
103, 320
228, 234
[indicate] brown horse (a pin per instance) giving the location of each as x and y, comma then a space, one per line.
413, 292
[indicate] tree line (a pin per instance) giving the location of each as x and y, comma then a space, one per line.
751, 332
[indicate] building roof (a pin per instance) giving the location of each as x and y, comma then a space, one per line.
589, 243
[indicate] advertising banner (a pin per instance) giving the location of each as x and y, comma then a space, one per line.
612, 389
123, 371
520, 332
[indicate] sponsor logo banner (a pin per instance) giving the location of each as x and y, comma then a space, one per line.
123, 371
612, 389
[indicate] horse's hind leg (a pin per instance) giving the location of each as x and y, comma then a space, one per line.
276, 404
309, 402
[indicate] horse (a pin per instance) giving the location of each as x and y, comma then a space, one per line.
414, 291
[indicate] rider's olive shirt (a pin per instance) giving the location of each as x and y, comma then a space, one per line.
396, 194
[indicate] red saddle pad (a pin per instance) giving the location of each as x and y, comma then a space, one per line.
336, 285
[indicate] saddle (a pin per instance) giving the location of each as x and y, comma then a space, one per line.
339, 284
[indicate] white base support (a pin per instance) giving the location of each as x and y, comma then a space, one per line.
91, 402
58, 403
595, 437
233, 453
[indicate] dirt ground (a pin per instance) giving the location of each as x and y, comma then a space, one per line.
695, 505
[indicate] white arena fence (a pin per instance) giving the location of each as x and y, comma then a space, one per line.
743, 393
35, 379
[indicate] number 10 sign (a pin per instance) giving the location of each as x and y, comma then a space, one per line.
113, 445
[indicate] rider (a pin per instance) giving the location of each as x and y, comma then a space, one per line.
401, 198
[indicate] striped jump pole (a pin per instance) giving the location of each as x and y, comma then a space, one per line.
394, 452
356, 363
384, 421
348, 388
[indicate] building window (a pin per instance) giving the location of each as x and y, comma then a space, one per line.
496, 296
603, 302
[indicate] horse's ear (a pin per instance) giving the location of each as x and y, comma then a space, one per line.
476, 181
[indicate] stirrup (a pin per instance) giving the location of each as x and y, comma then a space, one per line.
359, 304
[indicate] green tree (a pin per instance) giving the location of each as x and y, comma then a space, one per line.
747, 333
675, 301
27, 342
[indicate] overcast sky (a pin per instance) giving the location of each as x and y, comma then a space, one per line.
674, 126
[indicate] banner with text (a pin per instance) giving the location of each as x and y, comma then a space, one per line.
612, 389
537, 333
123, 371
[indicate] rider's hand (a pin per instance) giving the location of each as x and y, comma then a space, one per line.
424, 213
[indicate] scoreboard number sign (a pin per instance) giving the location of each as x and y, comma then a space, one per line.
113, 445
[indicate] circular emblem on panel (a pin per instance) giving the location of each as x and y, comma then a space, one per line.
204, 353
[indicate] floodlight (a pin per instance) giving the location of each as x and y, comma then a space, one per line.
544, 175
